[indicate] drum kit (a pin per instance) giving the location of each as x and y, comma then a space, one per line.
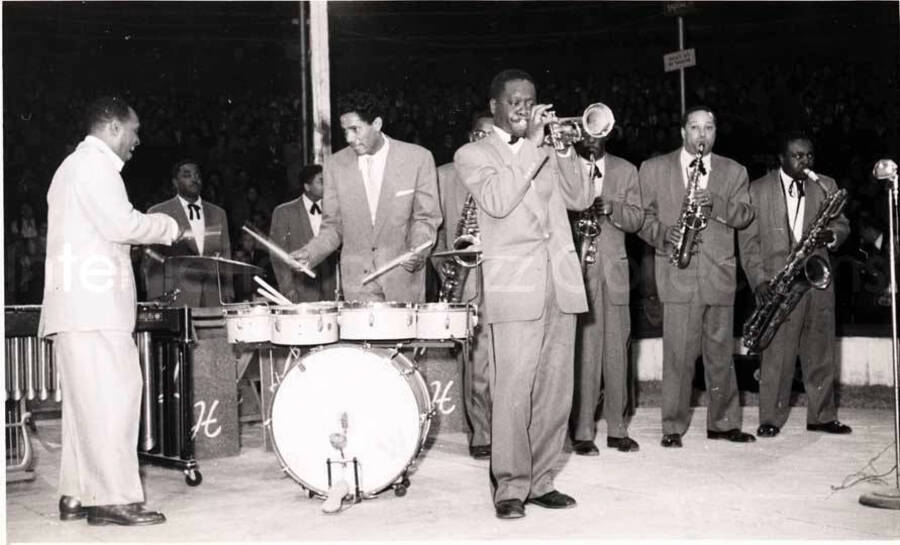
350, 416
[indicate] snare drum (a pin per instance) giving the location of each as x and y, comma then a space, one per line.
370, 401
247, 323
305, 323
444, 320
372, 320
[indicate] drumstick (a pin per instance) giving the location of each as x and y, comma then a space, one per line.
396, 261
278, 251
272, 291
269, 296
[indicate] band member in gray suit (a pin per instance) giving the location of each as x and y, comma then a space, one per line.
532, 289
602, 348
206, 234
295, 223
476, 370
698, 301
89, 309
787, 202
381, 201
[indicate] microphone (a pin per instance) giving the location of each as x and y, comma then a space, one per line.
885, 169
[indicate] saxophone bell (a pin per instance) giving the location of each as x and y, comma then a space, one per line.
467, 242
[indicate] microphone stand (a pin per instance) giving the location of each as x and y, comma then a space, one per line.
889, 498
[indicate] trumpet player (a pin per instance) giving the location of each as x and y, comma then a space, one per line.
698, 300
601, 348
787, 201
532, 290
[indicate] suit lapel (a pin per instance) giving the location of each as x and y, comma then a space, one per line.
301, 220
677, 188
356, 189
177, 211
778, 213
391, 172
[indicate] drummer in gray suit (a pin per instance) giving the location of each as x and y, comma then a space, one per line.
295, 223
206, 234
381, 201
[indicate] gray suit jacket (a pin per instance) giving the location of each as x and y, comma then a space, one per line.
766, 243
408, 214
622, 190
291, 230
525, 230
197, 281
712, 274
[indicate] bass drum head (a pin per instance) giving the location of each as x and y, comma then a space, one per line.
358, 392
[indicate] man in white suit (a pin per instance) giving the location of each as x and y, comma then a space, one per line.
89, 308
381, 201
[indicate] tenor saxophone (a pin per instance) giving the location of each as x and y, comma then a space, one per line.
692, 219
455, 271
802, 271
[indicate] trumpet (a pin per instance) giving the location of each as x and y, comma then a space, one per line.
596, 121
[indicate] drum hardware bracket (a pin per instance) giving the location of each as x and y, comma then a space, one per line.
357, 496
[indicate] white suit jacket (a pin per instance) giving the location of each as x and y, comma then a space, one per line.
89, 283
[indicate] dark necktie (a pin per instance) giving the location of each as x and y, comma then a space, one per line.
513, 139
796, 189
314, 209
194, 212
595, 172
699, 165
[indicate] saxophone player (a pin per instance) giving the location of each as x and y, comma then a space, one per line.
601, 349
787, 201
698, 300
475, 375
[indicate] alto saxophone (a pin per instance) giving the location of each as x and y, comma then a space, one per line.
692, 219
802, 271
456, 270
588, 229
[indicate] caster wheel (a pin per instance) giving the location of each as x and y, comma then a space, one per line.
405, 482
193, 477
399, 490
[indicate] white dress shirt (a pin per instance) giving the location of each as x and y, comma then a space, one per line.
505, 136
601, 168
198, 224
315, 220
686, 159
795, 205
372, 168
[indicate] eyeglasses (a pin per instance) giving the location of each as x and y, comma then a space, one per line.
799, 156
478, 134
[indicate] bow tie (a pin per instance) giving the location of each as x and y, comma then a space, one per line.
513, 139
194, 211
796, 189
699, 165
314, 209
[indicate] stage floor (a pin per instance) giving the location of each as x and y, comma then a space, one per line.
775, 488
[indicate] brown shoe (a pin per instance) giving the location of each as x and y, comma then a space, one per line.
70, 508
123, 515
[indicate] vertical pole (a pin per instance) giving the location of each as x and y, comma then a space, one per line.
681, 70
304, 84
320, 77
892, 211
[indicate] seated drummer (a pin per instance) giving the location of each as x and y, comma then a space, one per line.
380, 202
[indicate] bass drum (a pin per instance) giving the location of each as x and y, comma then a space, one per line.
373, 402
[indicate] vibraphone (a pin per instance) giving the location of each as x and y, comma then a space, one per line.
163, 338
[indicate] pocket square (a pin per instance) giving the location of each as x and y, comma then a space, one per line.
403, 192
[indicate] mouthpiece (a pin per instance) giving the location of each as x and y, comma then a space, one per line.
811, 175
885, 169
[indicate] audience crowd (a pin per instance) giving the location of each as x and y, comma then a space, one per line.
248, 148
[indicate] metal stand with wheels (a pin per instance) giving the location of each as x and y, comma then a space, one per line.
889, 498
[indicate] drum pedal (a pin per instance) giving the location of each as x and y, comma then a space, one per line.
338, 491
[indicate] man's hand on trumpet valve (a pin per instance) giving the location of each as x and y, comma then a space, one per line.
413, 263
540, 115
302, 257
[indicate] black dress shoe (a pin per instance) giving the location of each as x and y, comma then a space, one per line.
123, 515
585, 448
70, 508
510, 509
553, 500
830, 427
480, 452
767, 430
735, 436
622, 444
671, 440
